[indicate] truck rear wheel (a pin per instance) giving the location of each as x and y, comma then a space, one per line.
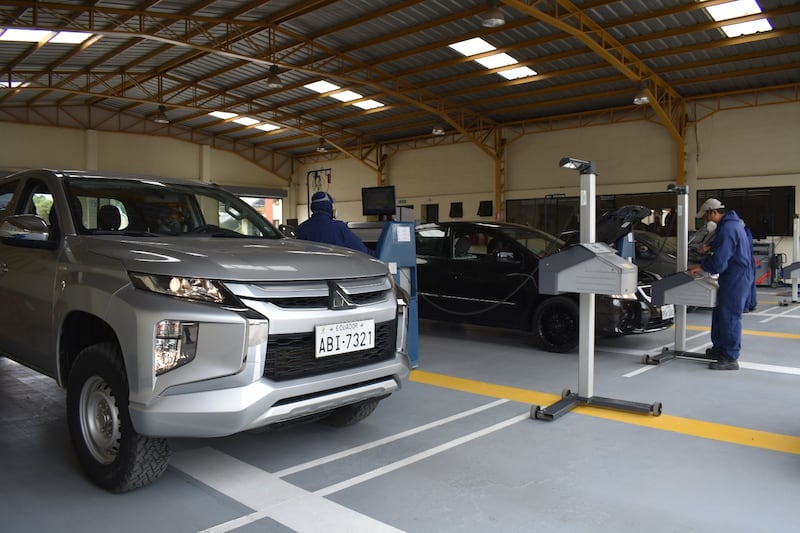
110, 451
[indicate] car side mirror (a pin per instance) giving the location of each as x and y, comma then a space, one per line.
29, 231
506, 257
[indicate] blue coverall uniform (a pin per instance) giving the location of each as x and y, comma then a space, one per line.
322, 227
732, 259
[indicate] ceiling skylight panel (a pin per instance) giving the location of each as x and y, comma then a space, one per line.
223, 115
517, 73
497, 61
346, 96
13, 84
368, 104
69, 37
26, 36
245, 121
472, 47
267, 127
739, 8
322, 86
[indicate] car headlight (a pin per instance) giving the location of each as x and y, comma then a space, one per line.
199, 289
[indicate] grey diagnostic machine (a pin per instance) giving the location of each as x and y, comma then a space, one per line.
682, 289
588, 268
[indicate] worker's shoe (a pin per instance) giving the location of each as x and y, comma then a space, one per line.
715, 353
724, 364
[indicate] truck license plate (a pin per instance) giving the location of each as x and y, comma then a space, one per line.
333, 339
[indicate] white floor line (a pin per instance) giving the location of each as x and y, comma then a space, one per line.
272, 497
642, 370
779, 315
770, 368
380, 442
420, 456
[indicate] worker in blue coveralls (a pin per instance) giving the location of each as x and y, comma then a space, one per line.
322, 227
732, 259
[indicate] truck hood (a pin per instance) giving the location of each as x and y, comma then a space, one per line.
235, 259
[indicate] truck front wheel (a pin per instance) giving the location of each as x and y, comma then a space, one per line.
110, 451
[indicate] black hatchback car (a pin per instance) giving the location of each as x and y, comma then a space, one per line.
486, 273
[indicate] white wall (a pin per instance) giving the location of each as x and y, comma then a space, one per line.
441, 174
630, 157
31, 146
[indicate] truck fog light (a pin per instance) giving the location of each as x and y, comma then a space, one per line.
175, 344
257, 332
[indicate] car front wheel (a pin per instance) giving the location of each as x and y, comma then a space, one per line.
556, 324
110, 451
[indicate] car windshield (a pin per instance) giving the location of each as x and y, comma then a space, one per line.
151, 207
538, 242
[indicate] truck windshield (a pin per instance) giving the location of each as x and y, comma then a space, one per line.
150, 207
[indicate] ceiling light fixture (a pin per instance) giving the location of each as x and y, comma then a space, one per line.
273, 80
321, 148
493, 17
161, 116
642, 97
437, 130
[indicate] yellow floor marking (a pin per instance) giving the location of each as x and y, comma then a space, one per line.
752, 332
685, 426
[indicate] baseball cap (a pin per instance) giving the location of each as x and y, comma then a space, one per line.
709, 205
322, 201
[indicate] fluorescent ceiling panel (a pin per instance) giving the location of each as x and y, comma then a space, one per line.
267, 127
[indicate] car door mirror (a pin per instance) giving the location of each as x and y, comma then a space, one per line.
26, 230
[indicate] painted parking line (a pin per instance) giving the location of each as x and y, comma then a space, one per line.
271, 497
754, 333
257, 488
685, 426
386, 440
422, 455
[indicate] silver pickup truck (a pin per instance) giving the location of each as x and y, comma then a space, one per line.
171, 308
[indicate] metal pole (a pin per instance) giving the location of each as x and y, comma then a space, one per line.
682, 263
586, 312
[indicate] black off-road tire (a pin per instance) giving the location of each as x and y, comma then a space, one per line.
556, 325
110, 451
350, 414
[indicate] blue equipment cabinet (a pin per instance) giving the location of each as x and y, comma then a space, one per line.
397, 248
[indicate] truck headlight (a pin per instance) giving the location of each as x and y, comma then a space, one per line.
202, 290
175, 344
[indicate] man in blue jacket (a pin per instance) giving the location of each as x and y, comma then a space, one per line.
322, 227
732, 259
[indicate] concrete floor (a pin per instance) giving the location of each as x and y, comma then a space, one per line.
456, 450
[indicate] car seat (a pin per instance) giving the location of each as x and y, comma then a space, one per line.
462, 246
108, 218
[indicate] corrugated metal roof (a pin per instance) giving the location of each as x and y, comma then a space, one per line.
217, 57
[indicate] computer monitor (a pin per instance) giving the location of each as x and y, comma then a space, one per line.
378, 201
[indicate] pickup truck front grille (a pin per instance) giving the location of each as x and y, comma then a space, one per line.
291, 356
